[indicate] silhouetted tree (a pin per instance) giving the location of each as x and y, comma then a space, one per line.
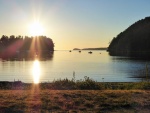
12, 47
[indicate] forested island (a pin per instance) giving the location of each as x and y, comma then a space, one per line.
134, 41
25, 47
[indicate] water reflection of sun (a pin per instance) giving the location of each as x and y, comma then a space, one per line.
36, 71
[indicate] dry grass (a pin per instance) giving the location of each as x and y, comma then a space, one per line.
97, 101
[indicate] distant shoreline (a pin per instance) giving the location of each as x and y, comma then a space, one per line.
101, 48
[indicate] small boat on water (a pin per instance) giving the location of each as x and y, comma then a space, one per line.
90, 52
70, 51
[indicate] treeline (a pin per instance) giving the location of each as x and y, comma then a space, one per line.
25, 47
134, 41
101, 48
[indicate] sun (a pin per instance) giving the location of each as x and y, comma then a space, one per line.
36, 29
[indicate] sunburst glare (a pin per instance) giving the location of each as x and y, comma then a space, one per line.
36, 71
36, 29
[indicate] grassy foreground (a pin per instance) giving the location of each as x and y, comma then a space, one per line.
74, 96
74, 101
83, 84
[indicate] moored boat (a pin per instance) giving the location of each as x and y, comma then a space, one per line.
90, 52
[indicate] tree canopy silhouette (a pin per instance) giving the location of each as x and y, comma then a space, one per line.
25, 47
134, 41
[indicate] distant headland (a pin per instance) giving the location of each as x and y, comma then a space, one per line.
101, 48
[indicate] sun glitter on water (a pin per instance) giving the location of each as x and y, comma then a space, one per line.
36, 29
36, 71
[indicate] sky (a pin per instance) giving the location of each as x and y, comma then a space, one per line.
72, 23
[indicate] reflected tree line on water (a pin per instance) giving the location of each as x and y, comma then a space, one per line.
20, 47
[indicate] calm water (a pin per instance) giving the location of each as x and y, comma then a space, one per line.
97, 65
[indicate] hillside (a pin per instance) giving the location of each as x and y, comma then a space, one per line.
134, 41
